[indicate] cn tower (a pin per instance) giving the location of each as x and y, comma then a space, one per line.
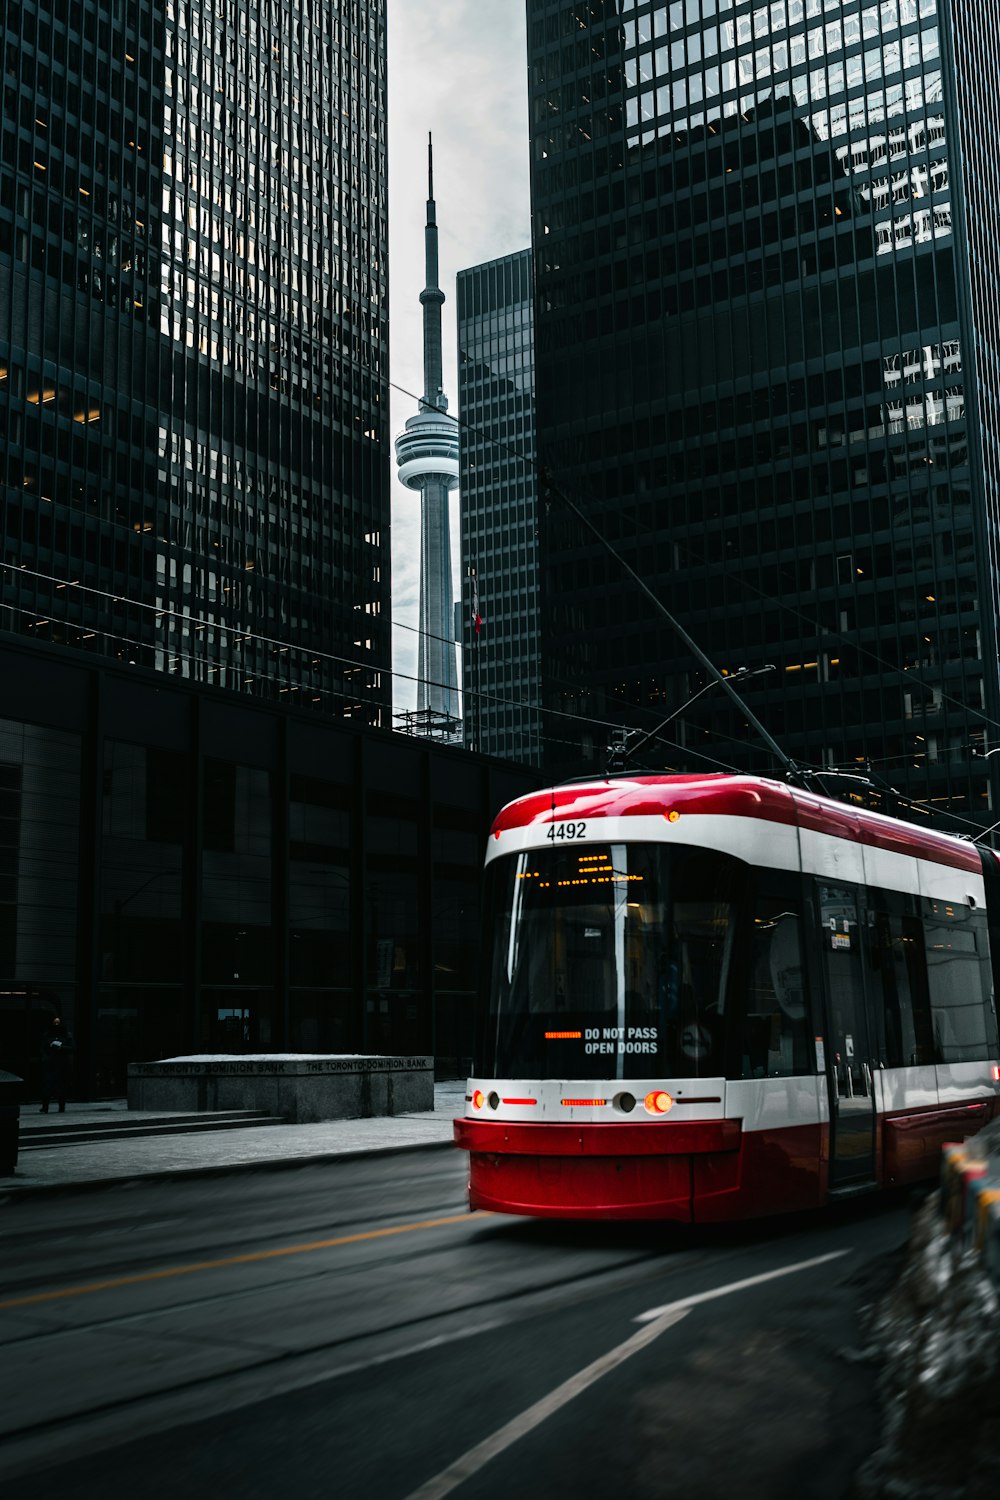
427, 458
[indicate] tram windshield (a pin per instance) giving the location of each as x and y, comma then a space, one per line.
607, 961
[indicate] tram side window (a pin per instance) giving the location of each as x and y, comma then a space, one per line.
956, 944
774, 1031
899, 965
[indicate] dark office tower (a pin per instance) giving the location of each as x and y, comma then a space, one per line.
501, 674
193, 339
766, 364
427, 459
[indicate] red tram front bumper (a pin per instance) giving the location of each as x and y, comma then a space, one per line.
602, 1171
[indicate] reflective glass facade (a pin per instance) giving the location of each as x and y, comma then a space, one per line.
193, 339
184, 871
499, 490
765, 335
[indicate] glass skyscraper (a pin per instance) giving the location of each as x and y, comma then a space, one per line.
193, 339
501, 659
766, 358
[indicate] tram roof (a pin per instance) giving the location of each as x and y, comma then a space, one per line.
721, 794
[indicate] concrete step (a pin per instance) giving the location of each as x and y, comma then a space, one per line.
44, 1137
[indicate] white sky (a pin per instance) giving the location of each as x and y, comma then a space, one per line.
458, 70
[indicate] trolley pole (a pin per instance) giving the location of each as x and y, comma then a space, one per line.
792, 771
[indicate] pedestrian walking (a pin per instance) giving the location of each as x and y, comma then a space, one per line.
58, 1049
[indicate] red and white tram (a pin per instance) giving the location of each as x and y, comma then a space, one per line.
717, 996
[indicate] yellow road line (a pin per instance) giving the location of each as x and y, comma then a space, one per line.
236, 1260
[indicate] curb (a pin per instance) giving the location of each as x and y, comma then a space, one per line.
12, 1191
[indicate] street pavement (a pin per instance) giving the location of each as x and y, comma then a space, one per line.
62, 1165
925, 1335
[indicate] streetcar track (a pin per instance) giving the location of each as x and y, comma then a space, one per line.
101, 1226
108, 1423
210, 1299
139, 1269
223, 1249
115, 1417
136, 1264
81, 1436
402, 1257
240, 1188
585, 1281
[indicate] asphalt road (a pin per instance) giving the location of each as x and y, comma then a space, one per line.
349, 1330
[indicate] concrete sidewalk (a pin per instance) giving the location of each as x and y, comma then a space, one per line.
66, 1166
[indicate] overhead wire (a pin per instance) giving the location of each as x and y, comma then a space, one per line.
850, 640
529, 461
222, 625
834, 634
847, 638
241, 636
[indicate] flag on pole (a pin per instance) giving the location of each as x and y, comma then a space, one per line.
477, 618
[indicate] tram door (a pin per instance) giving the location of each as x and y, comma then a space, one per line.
848, 1041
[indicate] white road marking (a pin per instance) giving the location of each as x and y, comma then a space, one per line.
683, 1303
656, 1321
478, 1457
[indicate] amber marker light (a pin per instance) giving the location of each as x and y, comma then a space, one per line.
672, 816
657, 1102
562, 1036
478, 1099
570, 1102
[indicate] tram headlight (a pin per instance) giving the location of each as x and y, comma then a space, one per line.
657, 1102
478, 1099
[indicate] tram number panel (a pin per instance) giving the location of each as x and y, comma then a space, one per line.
568, 832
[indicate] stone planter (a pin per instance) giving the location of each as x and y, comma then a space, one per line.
298, 1087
